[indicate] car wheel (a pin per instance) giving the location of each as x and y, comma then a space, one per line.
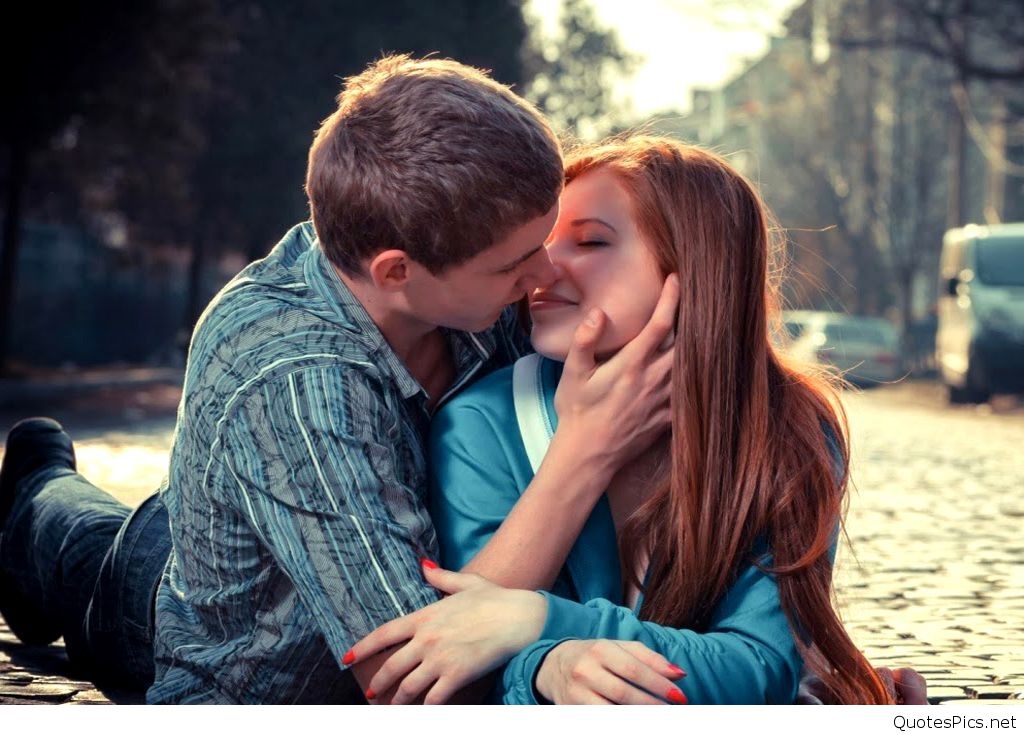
977, 382
958, 396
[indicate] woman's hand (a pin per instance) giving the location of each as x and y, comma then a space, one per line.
608, 672
453, 642
609, 413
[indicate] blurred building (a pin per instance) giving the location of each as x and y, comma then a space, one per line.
855, 148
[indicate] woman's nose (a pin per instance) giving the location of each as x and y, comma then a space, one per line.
559, 251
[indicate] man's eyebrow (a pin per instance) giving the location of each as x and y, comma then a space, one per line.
521, 259
585, 220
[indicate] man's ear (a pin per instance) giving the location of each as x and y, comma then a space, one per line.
390, 270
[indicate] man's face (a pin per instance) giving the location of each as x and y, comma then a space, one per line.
471, 296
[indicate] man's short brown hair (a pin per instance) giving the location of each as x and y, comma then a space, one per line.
431, 157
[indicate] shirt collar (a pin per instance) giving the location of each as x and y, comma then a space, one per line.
469, 350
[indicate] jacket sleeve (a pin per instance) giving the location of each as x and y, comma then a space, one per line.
748, 655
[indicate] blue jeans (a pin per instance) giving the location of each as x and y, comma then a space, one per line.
90, 565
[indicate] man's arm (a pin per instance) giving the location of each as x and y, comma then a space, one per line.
312, 454
607, 415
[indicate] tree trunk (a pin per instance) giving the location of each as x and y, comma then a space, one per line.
194, 298
956, 211
17, 178
955, 205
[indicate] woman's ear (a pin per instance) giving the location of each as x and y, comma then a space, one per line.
389, 270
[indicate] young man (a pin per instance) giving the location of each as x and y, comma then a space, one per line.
295, 497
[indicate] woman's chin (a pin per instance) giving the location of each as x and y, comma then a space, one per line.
548, 346
556, 346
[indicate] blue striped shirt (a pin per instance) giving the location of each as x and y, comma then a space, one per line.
297, 485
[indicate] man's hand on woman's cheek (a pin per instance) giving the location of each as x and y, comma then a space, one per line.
609, 413
442, 648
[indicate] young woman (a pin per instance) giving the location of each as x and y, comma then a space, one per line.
714, 550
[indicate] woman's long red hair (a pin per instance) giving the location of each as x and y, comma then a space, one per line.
750, 448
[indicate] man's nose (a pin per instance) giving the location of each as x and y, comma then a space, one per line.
542, 275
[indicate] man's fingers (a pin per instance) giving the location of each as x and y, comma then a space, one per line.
662, 366
659, 328
580, 360
450, 582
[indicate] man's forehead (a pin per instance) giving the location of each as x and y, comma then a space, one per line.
520, 244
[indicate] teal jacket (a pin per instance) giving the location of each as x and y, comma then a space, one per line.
480, 467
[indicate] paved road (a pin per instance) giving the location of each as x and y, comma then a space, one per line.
935, 523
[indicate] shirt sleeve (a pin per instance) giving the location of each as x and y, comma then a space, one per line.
314, 456
748, 655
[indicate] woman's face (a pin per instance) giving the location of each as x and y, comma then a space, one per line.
601, 260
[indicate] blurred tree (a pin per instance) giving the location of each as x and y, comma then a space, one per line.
187, 122
844, 123
924, 56
979, 41
573, 73
280, 82
853, 147
109, 87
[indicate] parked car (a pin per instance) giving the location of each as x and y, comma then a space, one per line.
865, 350
795, 321
979, 343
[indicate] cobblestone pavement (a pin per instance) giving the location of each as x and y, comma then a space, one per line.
935, 523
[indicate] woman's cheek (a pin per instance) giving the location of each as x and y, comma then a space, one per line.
620, 329
630, 319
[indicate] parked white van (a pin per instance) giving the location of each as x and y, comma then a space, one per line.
979, 346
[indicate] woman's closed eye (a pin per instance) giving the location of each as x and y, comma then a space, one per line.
592, 243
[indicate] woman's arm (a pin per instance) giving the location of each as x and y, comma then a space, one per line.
486, 522
446, 646
747, 656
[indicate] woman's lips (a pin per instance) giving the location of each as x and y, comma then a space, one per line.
545, 302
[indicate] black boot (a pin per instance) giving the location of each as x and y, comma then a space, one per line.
31, 444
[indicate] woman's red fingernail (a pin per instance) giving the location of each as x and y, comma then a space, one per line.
428, 564
370, 694
348, 658
676, 697
676, 671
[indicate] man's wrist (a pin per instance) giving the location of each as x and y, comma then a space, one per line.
581, 462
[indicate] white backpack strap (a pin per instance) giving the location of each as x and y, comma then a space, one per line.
527, 391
